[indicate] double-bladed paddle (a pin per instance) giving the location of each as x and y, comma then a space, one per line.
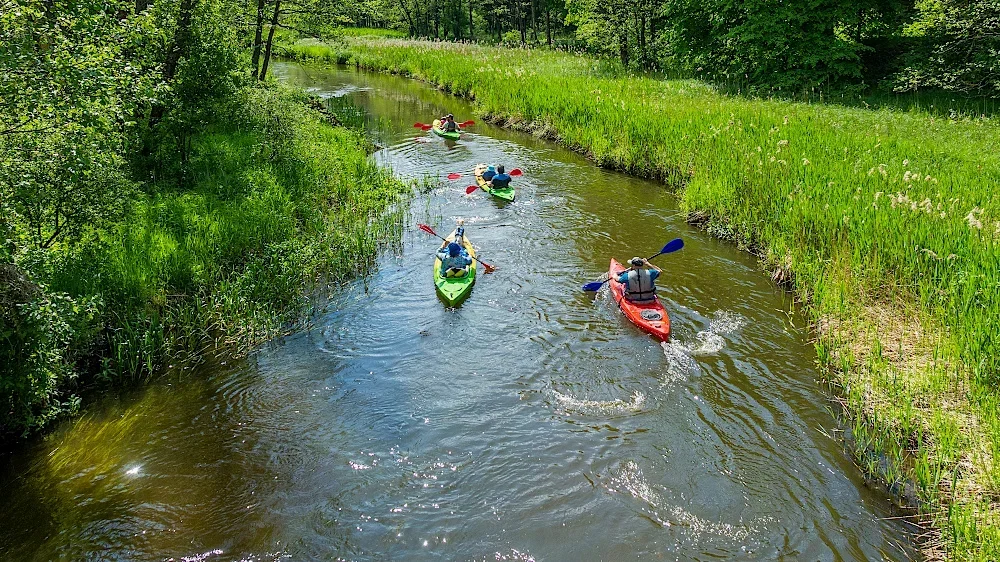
427, 127
513, 173
672, 246
489, 268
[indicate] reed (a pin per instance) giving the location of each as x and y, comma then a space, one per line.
886, 221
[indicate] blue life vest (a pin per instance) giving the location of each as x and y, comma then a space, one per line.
501, 181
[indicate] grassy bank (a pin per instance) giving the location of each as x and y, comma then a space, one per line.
887, 224
267, 202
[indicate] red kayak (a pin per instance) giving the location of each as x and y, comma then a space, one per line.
650, 317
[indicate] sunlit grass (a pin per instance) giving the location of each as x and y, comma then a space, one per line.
886, 221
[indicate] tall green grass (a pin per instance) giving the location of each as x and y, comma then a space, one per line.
887, 222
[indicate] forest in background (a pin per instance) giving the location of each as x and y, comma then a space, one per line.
833, 46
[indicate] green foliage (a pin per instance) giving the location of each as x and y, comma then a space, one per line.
766, 43
41, 335
958, 47
66, 97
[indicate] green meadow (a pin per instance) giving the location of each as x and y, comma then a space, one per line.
885, 222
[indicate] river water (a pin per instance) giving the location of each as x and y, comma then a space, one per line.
533, 422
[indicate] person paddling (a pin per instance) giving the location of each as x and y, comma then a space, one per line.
449, 125
491, 171
501, 180
639, 280
455, 260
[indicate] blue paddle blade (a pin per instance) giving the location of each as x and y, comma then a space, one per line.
672, 246
593, 286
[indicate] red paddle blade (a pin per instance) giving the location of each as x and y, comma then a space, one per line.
516, 172
427, 229
470, 189
454, 176
466, 123
489, 268
419, 125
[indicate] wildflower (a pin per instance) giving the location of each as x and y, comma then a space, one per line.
847, 219
881, 170
906, 163
786, 120
783, 142
805, 162
973, 220
907, 177
927, 206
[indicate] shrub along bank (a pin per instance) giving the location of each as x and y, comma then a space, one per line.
886, 223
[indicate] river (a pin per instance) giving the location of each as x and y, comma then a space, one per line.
533, 422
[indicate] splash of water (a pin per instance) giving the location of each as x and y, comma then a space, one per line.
600, 407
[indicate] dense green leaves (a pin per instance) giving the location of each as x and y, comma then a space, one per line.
958, 47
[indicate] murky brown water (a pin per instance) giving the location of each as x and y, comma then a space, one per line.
533, 422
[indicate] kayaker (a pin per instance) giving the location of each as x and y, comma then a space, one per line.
491, 171
501, 180
639, 280
449, 125
454, 260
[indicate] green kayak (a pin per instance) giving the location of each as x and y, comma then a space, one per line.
506, 194
436, 127
454, 289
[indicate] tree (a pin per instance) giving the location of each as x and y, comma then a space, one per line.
958, 47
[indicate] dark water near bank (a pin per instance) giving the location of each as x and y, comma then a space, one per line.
532, 422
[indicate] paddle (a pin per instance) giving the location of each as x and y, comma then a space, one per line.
672, 246
513, 173
489, 268
422, 126
467, 123
470, 189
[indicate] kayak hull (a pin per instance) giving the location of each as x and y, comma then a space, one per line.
436, 127
650, 317
502, 194
454, 290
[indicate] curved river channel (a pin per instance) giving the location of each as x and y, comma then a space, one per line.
533, 422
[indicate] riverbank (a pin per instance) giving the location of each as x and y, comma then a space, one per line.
883, 222
216, 254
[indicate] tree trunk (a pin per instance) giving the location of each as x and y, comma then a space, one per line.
409, 18
534, 23
437, 21
623, 45
270, 40
258, 35
548, 24
178, 48
472, 34
520, 21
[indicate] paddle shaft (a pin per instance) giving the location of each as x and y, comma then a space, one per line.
428, 230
